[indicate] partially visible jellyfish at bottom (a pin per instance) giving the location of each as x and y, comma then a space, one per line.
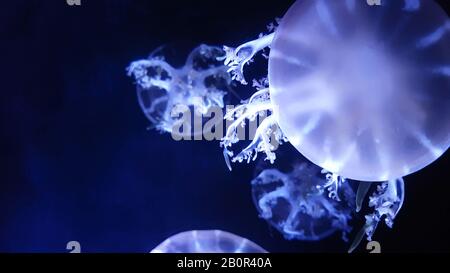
165, 93
207, 241
298, 205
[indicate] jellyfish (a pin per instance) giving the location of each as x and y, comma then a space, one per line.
297, 205
368, 85
207, 241
360, 90
165, 93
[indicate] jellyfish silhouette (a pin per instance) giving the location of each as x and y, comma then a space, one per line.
207, 241
166, 93
297, 205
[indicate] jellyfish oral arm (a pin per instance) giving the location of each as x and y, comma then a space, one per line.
241, 113
387, 202
332, 185
266, 177
363, 188
260, 93
261, 142
236, 58
138, 69
259, 102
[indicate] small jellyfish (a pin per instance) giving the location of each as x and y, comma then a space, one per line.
165, 93
207, 241
299, 205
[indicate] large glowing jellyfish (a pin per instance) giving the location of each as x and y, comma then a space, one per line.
207, 241
361, 87
360, 90
357, 89
295, 204
164, 92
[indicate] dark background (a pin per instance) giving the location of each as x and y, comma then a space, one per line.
77, 162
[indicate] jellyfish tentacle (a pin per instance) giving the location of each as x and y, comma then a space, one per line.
334, 181
139, 70
363, 189
261, 143
260, 94
247, 111
357, 240
387, 202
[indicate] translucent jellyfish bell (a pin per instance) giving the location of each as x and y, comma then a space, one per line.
207, 241
363, 91
301, 205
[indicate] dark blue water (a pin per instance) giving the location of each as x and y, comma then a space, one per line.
79, 164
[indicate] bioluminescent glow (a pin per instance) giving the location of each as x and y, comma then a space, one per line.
207, 241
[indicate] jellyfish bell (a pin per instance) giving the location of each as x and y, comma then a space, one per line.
363, 91
207, 241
